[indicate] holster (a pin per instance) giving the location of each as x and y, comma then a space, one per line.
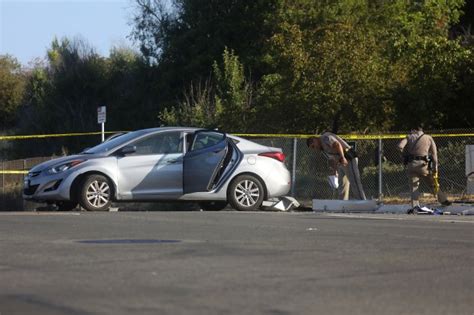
430, 163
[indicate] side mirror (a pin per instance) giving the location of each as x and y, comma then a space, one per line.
129, 149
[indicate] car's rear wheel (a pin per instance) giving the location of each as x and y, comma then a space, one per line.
246, 193
212, 205
96, 193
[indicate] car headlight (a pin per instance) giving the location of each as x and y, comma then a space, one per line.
63, 166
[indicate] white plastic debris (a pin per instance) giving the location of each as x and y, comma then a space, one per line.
333, 181
284, 203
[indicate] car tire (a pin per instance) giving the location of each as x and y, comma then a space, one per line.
212, 205
96, 193
246, 193
66, 205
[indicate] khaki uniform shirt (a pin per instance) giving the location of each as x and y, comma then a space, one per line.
327, 141
422, 147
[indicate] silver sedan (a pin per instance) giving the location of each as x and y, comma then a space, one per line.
163, 164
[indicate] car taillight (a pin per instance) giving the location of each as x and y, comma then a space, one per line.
274, 155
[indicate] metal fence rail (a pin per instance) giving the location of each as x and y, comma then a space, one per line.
382, 172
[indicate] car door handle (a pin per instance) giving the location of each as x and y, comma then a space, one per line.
173, 161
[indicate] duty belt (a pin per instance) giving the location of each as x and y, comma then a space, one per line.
425, 158
409, 158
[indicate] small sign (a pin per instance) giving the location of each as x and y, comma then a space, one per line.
101, 114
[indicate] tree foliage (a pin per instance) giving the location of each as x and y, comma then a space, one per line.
183, 38
64, 94
12, 88
345, 65
223, 101
315, 65
259, 66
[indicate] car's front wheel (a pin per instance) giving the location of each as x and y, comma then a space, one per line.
96, 193
246, 193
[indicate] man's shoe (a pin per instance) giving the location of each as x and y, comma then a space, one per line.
446, 203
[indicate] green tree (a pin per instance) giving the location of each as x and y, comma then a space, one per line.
234, 108
436, 93
328, 69
223, 101
197, 107
12, 87
430, 64
63, 95
346, 65
182, 38
128, 91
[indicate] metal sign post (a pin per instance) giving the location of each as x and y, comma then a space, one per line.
380, 161
101, 118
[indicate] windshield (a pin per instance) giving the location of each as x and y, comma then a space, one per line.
114, 143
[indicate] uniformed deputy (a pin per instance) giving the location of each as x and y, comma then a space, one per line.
420, 156
342, 161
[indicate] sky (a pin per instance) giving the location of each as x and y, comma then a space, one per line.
27, 27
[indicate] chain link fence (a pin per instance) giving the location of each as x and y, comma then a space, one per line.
12, 182
386, 180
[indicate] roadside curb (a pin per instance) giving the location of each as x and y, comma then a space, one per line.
455, 209
372, 206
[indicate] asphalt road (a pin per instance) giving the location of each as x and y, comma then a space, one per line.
235, 263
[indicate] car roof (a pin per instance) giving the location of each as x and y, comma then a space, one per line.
191, 129
149, 130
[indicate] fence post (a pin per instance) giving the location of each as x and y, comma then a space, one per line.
379, 156
293, 167
3, 185
23, 202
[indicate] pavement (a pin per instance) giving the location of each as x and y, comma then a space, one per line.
229, 262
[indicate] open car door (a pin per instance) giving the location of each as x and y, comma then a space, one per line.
203, 161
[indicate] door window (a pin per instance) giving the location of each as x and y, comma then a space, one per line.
206, 139
161, 143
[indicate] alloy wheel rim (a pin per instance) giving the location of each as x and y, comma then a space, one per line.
247, 193
98, 194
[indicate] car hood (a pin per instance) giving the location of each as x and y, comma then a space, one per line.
64, 159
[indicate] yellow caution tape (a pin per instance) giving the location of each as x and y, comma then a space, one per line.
22, 137
347, 137
13, 172
350, 136
253, 135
